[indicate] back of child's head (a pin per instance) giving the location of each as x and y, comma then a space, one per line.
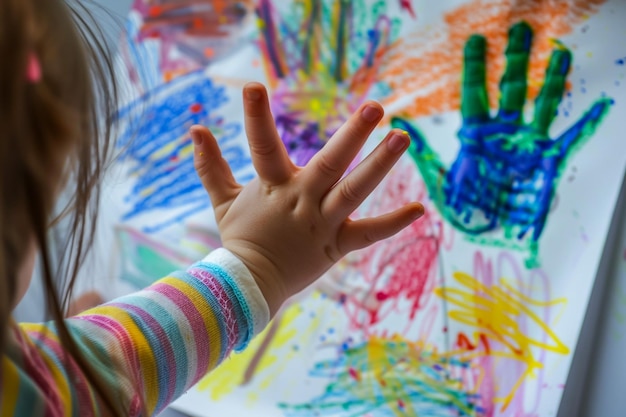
57, 96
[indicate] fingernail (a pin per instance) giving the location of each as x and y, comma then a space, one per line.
419, 211
196, 137
398, 142
371, 114
253, 94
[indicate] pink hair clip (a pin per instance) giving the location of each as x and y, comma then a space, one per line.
33, 71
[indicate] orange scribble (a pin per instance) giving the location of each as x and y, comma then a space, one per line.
429, 63
463, 342
170, 75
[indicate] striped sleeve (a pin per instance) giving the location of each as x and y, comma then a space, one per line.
155, 344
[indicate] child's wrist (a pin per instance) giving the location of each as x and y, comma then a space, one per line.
247, 283
265, 275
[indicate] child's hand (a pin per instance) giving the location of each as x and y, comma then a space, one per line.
290, 225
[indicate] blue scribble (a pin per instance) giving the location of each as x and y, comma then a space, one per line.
155, 139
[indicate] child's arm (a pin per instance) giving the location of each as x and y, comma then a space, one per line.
280, 233
152, 346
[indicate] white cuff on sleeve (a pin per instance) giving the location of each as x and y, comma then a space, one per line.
240, 274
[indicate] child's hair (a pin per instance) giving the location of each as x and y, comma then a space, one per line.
54, 131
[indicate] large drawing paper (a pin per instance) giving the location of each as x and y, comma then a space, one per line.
514, 110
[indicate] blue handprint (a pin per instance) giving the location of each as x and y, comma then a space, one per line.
506, 172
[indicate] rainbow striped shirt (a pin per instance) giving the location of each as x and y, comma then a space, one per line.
148, 347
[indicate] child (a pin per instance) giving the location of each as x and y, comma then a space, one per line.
135, 355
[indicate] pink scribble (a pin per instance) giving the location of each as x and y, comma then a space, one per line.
399, 271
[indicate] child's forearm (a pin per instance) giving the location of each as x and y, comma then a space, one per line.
153, 345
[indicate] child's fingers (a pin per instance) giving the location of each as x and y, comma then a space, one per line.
350, 192
268, 153
362, 233
213, 170
330, 163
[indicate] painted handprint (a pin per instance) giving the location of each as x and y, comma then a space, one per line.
321, 60
507, 170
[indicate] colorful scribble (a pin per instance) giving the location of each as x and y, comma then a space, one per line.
191, 33
322, 59
390, 377
156, 141
510, 330
425, 65
506, 171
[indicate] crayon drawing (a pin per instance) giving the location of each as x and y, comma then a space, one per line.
322, 60
474, 310
156, 147
191, 34
161, 153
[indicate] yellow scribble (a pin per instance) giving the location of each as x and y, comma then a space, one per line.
230, 374
496, 313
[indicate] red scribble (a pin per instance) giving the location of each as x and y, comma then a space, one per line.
354, 374
196, 108
400, 404
400, 270
406, 5
463, 342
